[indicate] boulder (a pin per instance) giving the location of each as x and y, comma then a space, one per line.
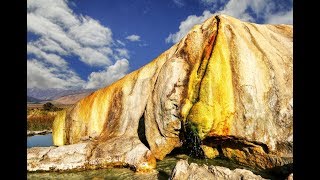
90, 155
184, 171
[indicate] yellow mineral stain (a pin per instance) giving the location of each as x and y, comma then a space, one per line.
210, 152
213, 113
58, 129
196, 76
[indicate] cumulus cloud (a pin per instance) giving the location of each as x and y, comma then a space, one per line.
213, 4
281, 18
267, 11
133, 38
122, 53
43, 76
236, 8
49, 45
50, 58
77, 39
57, 11
45, 28
109, 75
92, 56
60, 34
91, 33
186, 25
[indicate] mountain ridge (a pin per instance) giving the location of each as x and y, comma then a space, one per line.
54, 93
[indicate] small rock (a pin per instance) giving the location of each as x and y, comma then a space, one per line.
57, 158
43, 132
183, 171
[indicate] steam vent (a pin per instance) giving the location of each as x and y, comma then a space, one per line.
224, 90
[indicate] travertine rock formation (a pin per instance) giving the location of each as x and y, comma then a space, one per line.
79, 156
57, 158
184, 171
227, 83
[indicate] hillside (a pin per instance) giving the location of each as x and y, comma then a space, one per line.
54, 93
70, 99
33, 100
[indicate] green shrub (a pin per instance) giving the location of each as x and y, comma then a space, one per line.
50, 107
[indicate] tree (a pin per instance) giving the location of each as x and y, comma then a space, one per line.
48, 106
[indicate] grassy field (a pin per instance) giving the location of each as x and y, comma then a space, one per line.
39, 119
40, 106
39, 123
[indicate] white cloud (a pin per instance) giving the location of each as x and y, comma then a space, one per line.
62, 34
133, 38
109, 75
236, 8
45, 28
179, 3
214, 4
91, 33
121, 43
186, 25
51, 58
122, 53
281, 18
57, 11
92, 56
49, 45
43, 76
268, 11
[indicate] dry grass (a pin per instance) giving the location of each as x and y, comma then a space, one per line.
39, 119
41, 122
40, 105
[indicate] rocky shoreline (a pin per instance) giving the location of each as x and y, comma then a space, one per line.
59, 159
43, 132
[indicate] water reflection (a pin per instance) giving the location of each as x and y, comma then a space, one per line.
40, 140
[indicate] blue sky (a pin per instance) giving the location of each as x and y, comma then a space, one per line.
92, 43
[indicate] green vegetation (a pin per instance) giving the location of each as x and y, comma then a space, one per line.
42, 118
38, 123
50, 107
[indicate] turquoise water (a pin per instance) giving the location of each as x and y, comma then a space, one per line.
39, 140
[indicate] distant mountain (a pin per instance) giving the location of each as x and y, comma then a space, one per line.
53, 93
33, 100
70, 99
